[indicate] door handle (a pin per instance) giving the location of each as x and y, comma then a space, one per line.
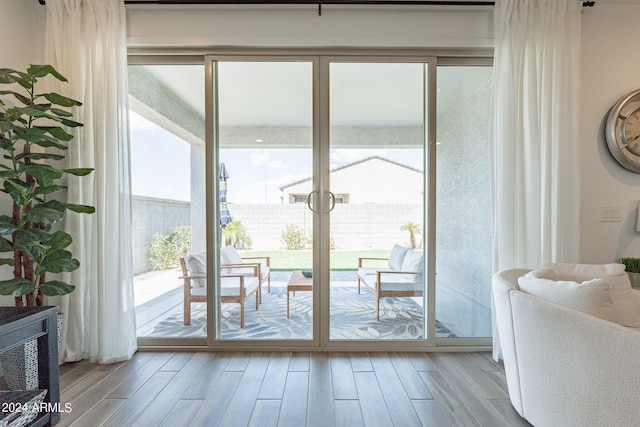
333, 201
309, 202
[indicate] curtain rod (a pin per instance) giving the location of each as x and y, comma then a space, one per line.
333, 2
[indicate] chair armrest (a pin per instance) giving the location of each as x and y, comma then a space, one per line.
188, 279
370, 258
267, 258
254, 265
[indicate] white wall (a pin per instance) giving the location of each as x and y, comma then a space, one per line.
610, 69
22, 41
18, 49
301, 26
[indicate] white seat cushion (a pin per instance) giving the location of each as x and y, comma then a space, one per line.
230, 286
392, 282
229, 255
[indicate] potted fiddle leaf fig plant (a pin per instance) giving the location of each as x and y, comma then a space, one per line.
33, 138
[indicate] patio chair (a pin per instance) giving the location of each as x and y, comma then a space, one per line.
234, 288
402, 278
232, 263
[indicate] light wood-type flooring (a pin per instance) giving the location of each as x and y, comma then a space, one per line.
288, 389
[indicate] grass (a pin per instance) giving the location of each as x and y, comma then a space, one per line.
284, 260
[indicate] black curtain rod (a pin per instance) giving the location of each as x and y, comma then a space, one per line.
338, 2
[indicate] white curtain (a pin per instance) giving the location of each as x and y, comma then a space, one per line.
535, 134
86, 42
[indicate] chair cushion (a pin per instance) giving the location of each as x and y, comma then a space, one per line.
392, 282
229, 255
197, 265
230, 286
413, 262
397, 256
590, 297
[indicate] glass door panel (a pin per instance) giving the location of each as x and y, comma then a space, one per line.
377, 181
167, 123
463, 208
265, 142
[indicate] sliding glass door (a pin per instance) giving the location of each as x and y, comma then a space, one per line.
306, 200
264, 141
377, 179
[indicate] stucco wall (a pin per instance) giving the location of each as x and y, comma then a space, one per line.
151, 216
463, 223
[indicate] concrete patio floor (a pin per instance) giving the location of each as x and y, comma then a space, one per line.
159, 296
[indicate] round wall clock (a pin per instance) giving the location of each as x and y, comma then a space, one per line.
622, 131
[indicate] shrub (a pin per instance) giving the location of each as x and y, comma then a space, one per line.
293, 237
235, 233
166, 249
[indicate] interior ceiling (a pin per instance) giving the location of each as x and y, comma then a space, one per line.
280, 93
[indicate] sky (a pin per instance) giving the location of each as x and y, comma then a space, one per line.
160, 165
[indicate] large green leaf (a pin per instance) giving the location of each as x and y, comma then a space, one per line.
60, 100
30, 242
57, 132
60, 113
8, 76
44, 175
78, 171
18, 96
39, 71
47, 213
16, 286
40, 156
6, 225
56, 287
49, 189
18, 190
58, 240
80, 208
59, 261
5, 245
6, 261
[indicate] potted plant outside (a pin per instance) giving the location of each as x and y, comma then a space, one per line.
32, 139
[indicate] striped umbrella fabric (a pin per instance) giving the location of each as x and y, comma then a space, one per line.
225, 215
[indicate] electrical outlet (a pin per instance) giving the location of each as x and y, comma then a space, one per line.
610, 214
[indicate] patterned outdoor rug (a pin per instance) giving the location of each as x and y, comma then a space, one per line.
352, 317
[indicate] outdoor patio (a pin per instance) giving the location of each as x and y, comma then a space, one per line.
159, 312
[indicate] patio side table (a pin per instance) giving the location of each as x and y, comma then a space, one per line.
297, 282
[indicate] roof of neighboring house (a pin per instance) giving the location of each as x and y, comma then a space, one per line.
357, 162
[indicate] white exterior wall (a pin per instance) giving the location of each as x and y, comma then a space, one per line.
371, 181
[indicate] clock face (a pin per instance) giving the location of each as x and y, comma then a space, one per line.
622, 131
631, 129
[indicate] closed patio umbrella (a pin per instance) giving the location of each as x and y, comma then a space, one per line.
225, 215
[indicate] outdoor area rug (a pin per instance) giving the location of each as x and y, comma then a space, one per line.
352, 317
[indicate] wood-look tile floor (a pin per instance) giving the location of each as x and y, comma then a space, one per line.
289, 389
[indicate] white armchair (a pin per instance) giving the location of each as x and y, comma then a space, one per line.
565, 367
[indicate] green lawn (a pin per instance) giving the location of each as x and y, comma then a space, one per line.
340, 260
